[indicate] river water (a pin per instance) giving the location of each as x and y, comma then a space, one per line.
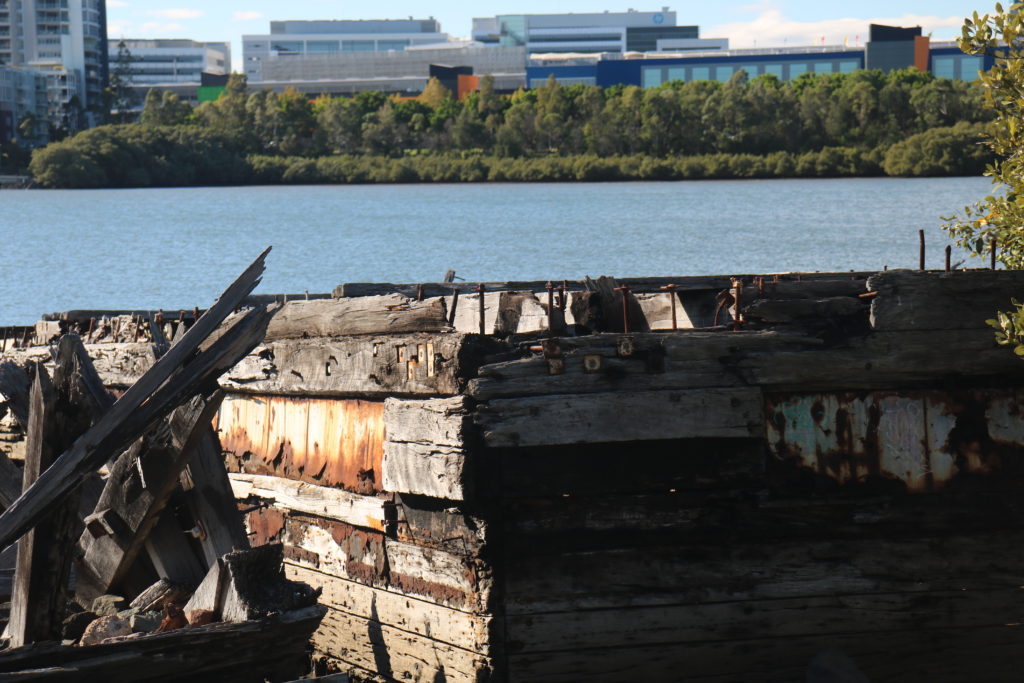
179, 248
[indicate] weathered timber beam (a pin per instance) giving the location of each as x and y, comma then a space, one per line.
15, 385
622, 416
149, 473
368, 315
368, 512
10, 478
208, 495
425, 447
916, 300
370, 366
172, 313
638, 284
143, 404
39, 592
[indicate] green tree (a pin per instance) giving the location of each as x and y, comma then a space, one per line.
120, 95
164, 109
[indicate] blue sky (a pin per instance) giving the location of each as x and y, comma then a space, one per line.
747, 24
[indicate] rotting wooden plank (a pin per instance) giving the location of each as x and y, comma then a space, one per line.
370, 366
10, 476
846, 614
395, 654
39, 591
625, 416
138, 488
320, 441
421, 617
273, 648
425, 447
170, 552
367, 315
15, 386
915, 300
934, 655
362, 511
144, 403
209, 498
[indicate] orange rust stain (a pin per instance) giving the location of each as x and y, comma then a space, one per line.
322, 441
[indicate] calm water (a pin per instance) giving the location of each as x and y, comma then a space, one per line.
178, 248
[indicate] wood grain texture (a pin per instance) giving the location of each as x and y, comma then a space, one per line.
425, 447
390, 314
369, 512
622, 416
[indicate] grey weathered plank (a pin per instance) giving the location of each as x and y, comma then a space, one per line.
622, 416
372, 366
15, 385
322, 501
425, 447
10, 478
915, 300
367, 315
143, 404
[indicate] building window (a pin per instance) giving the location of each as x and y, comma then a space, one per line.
287, 47
322, 47
970, 66
392, 44
677, 74
823, 68
652, 77
944, 67
848, 66
357, 46
774, 70
700, 73
723, 73
796, 69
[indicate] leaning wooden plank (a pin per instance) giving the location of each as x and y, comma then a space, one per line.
136, 491
40, 578
15, 385
625, 416
333, 503
209, 498
915, 300
369, 315
272, 648
143, 404
10, 478
425, 447
370, 365
170, 552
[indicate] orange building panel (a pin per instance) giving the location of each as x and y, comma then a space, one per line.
922, 48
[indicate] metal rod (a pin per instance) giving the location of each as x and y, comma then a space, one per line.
551, 305
480, 289
564, 300
949, 257
455, 306
671, 289
419, 292
995, 250
920, 234
625, 307
738, 320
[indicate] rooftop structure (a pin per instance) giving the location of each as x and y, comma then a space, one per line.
163, 62
295, 39
592, 32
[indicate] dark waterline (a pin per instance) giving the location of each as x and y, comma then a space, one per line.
178, 248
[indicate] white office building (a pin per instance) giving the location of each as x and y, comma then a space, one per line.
65, 40
607, 32
152, 63
298, 39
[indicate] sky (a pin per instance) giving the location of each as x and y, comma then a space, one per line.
765, 23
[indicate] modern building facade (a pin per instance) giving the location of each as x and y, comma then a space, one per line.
403, 72
153, 63
610, 32
900, 48
23, 101
299, 39
67, 41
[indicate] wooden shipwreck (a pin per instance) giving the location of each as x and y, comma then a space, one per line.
702, 479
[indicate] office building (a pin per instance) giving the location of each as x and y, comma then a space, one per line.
298, 39
608, 32
23, 99
153, 63
65, 40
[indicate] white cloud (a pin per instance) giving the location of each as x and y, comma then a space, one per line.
177, 13
158, 28
247, 16
116, 3
771, 28
119, 27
